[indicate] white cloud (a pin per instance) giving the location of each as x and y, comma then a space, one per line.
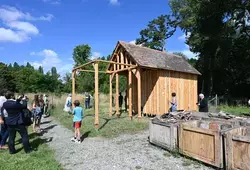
132, 42
53, 2
7, 35
51, 59
8, 13
24, 26
114, 2
95, 55
17, 28
184, 37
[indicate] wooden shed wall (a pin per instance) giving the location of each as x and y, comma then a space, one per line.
157, 87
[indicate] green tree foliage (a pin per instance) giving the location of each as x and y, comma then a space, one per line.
220, 33
81, 54
157, 32
40, 69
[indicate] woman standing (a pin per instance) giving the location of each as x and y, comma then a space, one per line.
68, 104
37, 114
173, 103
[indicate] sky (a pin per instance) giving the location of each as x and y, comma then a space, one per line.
45, 32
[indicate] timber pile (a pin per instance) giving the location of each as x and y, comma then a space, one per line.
174, 117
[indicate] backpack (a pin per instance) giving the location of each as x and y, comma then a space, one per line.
26, 117
69, 104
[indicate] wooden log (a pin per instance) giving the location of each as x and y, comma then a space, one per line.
130, 94
139, 92
110, 95
73, 86
122, 60
96, 97
93, 71
118, 61
117, 96
125, 69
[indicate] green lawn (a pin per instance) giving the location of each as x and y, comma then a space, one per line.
109, 126
238, 111
41, 159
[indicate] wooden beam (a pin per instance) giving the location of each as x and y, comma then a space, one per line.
126, 59
93, 71
96, 97
118, 61
121, 70
130, 94
112, 62
117, 96
110, 96
73, 87
122, 60
139, 92
112, 76
81, 66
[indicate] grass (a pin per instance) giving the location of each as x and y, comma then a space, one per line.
41, 159
238, 111
109, 127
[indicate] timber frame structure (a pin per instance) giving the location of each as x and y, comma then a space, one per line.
125, 65
152, 77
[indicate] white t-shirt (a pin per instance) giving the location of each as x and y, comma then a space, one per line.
2, 100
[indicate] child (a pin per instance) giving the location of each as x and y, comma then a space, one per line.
173, 103
77, 121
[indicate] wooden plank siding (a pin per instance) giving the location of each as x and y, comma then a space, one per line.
157, 87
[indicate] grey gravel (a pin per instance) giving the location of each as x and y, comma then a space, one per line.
126, 152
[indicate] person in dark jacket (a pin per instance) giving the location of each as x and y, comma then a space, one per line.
12, 110
120, 100
203, 104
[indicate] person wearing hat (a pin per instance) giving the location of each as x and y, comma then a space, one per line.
203, 104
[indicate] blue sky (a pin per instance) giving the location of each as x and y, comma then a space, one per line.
44, 32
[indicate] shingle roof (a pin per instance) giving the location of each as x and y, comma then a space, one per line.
147, 57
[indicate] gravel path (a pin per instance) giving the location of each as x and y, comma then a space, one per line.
125, 152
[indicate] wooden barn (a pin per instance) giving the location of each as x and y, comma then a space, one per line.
152, 78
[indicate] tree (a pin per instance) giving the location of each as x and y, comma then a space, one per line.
54, 72
40, 69
157, 32
219, 32
81, 54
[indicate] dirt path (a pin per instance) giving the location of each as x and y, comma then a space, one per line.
122, 153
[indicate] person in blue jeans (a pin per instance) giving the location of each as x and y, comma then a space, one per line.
4, 129
173, 103
4, 136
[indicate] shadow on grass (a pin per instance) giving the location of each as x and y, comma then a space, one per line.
85, 135
46, 122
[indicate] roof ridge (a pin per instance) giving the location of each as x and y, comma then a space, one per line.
149, 48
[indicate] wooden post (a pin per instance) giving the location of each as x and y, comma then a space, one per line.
122, 60
139, 93
130, 94
117, 96
110, 95
96, 97
73, 86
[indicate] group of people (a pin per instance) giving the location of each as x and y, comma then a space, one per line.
16, 115
202, 104
68, 103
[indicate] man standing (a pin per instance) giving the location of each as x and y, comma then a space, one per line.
13, 110
120, 100
87, 100
4, 131
203, 104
